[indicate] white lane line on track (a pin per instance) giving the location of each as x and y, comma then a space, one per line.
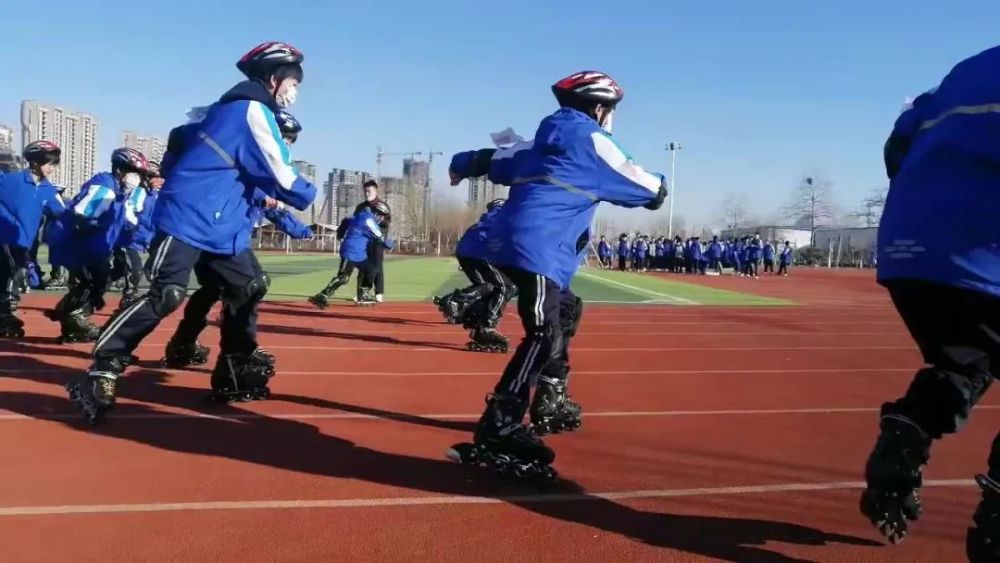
50, 510
576, 373
575, 350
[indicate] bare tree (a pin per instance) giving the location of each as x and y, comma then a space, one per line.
734, 211
871, 207
811, 205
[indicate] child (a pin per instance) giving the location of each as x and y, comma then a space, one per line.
785, 260
83, 240
183, 348
203, 218
362, 229
556, 182
25, 197
768, 257
622, 251
753, 257
939, 260
135, 239
481, 305
604, 254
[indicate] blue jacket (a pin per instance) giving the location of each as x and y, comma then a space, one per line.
363, 228
142, 235
786, 255
206, 196
623, 248
280, 218
136, 201
753, 253
556, 182
768, 251
714, 250
22, 205
90, 229
473, 241
940, 222
603, 249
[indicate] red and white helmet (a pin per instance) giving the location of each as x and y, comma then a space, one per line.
588, 88
259, 61
130, 160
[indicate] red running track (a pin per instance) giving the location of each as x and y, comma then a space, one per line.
732, 434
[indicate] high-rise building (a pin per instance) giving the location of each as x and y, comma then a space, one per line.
9, 158
75, 133
482, 191
6, 140
308, 171
151, 146
417, 173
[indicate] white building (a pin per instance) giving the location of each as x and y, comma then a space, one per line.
151, 146
799, 238
74, 132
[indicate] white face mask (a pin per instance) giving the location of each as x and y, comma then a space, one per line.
287, 98
132, 181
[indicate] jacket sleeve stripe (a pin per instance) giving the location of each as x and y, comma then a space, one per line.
265, 133
618, 161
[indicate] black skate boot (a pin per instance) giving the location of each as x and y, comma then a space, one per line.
94, 393
553, 410
57, 283
237, 377
366, 298
504, 444
894, 474
321, 300
262, 357
178, 354
11, 326
487, 340
76, 327
449, 308
982, 543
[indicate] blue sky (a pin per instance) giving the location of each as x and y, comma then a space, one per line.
758, 92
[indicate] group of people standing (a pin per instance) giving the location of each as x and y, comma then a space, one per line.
744, 256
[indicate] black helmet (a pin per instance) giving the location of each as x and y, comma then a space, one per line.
586, 89
380, 207
288, 125
261, 61
42, 152
495, 203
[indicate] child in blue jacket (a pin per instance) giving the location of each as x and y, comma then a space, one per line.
361, 231
202, 217
25, 198
135, 239
84, 238
557, 180
480, 306
939, 259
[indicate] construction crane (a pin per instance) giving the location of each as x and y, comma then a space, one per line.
378, 159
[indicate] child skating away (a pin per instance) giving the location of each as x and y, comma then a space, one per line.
557, 180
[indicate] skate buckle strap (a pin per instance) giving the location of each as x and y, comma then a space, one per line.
908, 421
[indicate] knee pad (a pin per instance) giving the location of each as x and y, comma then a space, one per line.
252, 292
167, 299
570, 314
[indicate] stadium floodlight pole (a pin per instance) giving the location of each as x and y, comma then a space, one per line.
673, 148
